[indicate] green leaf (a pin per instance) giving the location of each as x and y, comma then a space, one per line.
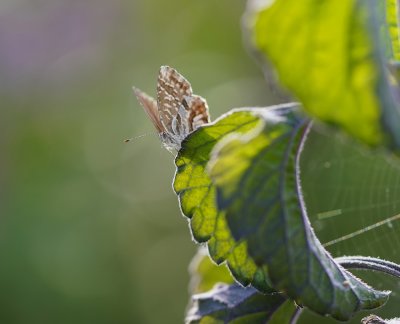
204, 273
387, 24
258, 186
392, 23
235, 304
288, 312
197, 196
328, 54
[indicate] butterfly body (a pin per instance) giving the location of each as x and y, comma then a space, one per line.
177, 111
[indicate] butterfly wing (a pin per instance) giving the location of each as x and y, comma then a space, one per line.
197, 111
149, 105
172, 88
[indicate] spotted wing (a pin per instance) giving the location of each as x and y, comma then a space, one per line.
197, 111
172, 88
149, 105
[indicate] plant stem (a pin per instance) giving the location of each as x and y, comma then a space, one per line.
369, 263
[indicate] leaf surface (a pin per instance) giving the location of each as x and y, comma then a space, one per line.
236, 304
392, 26
204, 273
258, 187
212, 307
197, 196
327, 53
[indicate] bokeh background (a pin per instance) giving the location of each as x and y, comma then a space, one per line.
90, 229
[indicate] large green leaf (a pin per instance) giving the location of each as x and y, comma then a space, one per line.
328, 54
197, 196
258, 186
235, 304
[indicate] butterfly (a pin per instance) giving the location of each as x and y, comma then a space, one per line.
177, 111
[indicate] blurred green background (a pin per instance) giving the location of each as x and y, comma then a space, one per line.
90, 229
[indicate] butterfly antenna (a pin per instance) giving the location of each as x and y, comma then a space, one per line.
136, 137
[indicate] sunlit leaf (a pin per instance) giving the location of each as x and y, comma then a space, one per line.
392, 22
197, 197
204, 273
258, 186
327, 54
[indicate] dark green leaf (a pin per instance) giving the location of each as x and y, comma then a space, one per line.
236, 304
287, 313
205, 275
258, 186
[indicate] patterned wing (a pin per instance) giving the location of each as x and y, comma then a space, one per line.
172, 88
198, 111
149, 105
